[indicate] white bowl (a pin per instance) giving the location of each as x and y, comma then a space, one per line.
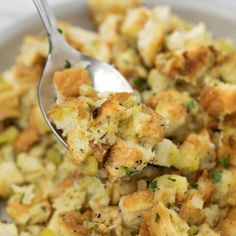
218, 15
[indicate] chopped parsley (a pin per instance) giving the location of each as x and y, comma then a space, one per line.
191, 105
67, 65
171, 179
140, 84
224, 162
148, 67
127, 171
60, 30
194, 185
153, 185
221, 78
216, 176
157, 217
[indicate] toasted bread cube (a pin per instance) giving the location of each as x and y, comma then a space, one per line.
133, 205
219, 101
69, 81
135, 21
163, 221
150, 41
100, 9
8, 229
26, 139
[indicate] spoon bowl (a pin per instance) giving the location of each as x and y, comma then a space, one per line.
105, 78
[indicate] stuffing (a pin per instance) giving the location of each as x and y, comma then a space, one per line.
64, 79
205, 230
71, 114
70, 224
158, 161
33, 213
26, 140
169, 188
78, 37
181, 39
133, 205
224, 185
157, 81
150, 41
160, 220
220, 100
212, 214
205, 186
135, 21
109, 29
8, 229
172, 105
122, 156
197, 152
227, 146
37, 120
162, 13
100, 9
165, 152
227, 226
188, 65
9, 174
191, 209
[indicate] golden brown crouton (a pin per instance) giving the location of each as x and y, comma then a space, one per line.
100, 9
123, 155
133, 205
135, 21
189, 65
37, 120
205, 186
172, 106
150, 41
9, 103
191, 209
155, 126
197, 152
227, 146
71, 223
228, 225
162, 221
219, 101
26, 139
68, 81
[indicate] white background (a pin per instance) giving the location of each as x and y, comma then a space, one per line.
12, 10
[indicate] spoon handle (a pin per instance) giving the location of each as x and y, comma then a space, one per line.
48, 17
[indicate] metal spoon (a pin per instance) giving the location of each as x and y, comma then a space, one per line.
104, 77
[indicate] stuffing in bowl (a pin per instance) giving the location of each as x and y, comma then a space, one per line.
159, 161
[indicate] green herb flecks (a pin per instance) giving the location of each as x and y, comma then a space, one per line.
141, 84
171, 179
157, 218
221, 78
224, 162
60, 30
194, 185
153, 185
216, 176
127, 171
191, 105
67, 65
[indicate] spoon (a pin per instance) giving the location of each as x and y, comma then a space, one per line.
105, 78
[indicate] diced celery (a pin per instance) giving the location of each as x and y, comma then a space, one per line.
47, 232
53, 156
9, 135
